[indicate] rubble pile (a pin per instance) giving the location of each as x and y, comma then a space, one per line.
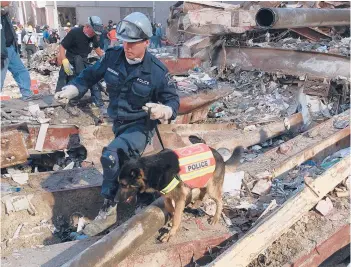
338, 46
44, 61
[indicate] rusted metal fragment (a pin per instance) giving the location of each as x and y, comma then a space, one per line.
193, 102
13, 149
196, 115
282, 18
310, 33
316, 86
58, 137
283, 61
180, 66
325, 249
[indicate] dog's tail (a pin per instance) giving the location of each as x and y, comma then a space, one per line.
234, 159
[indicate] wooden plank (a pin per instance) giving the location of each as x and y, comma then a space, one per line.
303, 147
269, 230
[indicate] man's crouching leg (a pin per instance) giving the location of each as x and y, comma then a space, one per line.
108, 213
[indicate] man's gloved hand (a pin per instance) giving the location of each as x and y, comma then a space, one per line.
67, 67
158, 111
68, 92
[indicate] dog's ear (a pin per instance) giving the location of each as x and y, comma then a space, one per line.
122, 156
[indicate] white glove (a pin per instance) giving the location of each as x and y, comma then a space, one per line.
68, 92
158, 111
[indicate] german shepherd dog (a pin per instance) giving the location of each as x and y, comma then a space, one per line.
155, 172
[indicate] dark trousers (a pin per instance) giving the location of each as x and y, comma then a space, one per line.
132, 137
30, 49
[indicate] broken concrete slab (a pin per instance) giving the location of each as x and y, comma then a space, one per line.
324, 206
262, 187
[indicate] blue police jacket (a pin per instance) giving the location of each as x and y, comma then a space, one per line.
128, 93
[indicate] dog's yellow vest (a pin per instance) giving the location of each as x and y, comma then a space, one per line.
196, 163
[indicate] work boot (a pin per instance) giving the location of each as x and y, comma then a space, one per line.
107, 217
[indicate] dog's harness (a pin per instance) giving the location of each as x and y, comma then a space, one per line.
196, 163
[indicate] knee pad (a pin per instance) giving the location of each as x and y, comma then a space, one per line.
108, 159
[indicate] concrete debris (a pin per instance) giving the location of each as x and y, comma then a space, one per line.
18, 230
44, 61
324, 206
263, 175
284, 148
232, 183
343, 194
69, 166
18, 203
20, 178
262, 187
337, 46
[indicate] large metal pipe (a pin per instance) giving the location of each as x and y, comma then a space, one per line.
281, 18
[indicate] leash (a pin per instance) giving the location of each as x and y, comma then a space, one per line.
156, 128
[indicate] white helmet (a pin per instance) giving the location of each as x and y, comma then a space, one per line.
134, 28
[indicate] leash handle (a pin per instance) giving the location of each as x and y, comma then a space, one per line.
156, 128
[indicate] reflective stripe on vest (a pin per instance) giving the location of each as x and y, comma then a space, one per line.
196, 163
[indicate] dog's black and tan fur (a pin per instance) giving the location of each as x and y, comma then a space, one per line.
153, 173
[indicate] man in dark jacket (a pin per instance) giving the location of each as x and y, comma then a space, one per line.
136, 82
10, 59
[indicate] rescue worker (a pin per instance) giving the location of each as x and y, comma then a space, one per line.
136, 81
73, 54
112, 36
10, 59
30, 44
54, 37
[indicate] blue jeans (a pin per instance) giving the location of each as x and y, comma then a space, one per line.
21, 75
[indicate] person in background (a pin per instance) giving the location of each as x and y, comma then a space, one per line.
73, 54
112, 35
30, 43
18, 31
158, 35
46, 34
54, 37
110, 25
104, 41
10, 59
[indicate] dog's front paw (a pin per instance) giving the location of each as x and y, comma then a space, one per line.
166, 236
214, 220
